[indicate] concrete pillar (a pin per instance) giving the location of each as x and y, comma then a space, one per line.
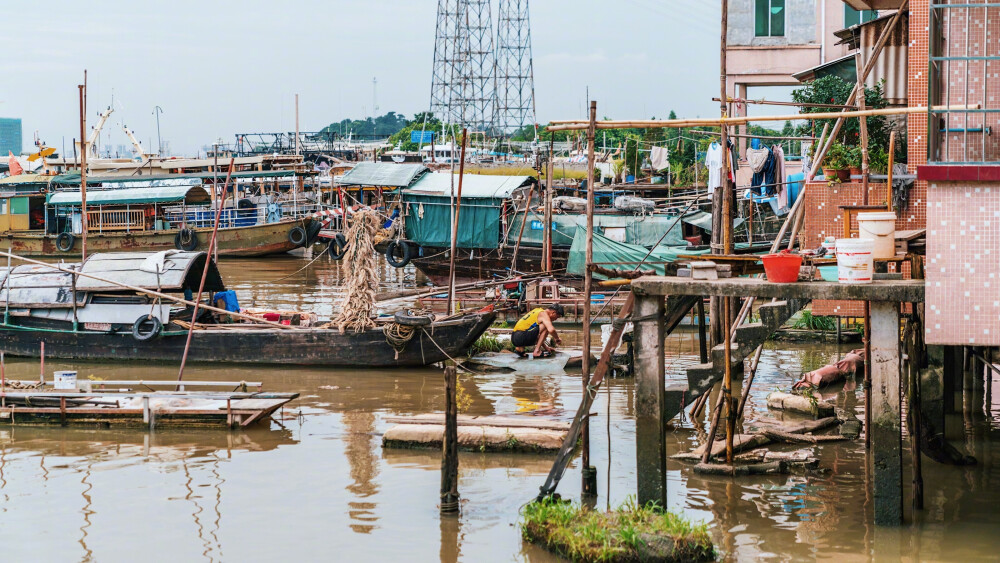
650, 427
886, 430
954, 368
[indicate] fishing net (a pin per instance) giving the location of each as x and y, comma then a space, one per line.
359, 267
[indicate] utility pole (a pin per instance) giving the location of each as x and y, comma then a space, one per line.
159, 144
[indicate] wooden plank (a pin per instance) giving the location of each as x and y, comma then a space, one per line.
254, 404
650, 431
466, 420
886, 430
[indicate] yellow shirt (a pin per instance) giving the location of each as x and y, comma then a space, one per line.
529, 320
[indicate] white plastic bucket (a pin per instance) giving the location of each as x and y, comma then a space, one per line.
881, 228
855, 261
64, 380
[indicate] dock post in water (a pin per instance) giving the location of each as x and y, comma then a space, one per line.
886, 428
449, 444
650, 426
589, 472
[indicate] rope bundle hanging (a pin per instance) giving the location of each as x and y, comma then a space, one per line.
359, 267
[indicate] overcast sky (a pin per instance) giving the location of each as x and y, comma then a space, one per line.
219, 68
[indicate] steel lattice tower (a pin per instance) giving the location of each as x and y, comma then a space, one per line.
462, 84
515, 80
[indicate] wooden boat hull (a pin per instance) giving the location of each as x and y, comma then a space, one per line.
472, 266
329, 347
255, 240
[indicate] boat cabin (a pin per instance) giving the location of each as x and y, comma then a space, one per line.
122, 210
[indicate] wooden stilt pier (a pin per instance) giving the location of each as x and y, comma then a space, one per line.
654, 399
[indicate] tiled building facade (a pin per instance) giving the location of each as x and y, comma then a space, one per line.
962, 178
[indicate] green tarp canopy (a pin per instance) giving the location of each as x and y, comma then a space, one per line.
607, 252
703, 220
644, 230
133, 196
428, 209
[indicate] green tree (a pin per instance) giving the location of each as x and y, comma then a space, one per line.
836, 90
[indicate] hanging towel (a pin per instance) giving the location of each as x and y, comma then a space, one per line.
757, 158
659, 157
713, 161
779, 176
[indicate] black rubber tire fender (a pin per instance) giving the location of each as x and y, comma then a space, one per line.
406, 319
186, 239
312, 232
390, 253
140, 331
297, 236
338, 247
65, 242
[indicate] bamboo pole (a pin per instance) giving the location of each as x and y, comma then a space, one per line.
159, 294
547, 257
520, 233
454, 225
888, 171
589, 486
204, 272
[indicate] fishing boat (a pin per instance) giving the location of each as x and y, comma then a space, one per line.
43, 216
501, 230
121, 306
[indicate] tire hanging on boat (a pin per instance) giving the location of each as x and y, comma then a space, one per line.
297, 236
338, 247
390, 253
146, 328
186, 239
65, 241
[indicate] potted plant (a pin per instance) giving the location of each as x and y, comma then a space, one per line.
854, 160
878, 160
835, 163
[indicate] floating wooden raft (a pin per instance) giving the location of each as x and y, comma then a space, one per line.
477, 433
140, 409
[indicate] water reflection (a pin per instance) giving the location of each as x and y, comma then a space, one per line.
319, 483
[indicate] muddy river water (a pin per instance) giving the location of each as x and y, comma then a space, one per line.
319, 486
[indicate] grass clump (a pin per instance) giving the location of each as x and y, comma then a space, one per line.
489, 343
627, 533
809, 321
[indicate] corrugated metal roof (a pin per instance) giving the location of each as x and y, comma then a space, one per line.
165, 194
140, 269
473, 185
383, 174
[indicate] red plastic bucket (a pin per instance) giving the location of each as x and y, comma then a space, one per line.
782, 268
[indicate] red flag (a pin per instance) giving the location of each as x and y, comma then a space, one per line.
15, 166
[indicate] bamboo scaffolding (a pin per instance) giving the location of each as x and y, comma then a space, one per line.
576, 125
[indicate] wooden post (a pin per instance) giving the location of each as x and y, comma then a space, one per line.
863, 122
454, 227
589, 473
953, 369
702, 337
547, 251
727, 382
83, 168
449, 444
886, 429
650, 428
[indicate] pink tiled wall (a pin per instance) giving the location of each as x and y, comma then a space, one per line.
963, 264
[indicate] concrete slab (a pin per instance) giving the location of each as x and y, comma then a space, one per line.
909, 291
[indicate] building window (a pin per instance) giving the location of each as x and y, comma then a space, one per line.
770, 18
855, 17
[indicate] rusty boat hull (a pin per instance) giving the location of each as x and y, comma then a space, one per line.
254, 240
256, 345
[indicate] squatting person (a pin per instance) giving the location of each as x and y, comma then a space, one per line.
533, 328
